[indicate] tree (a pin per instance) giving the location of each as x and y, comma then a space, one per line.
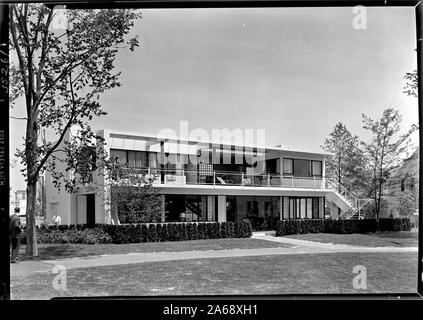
133, 194
407, 203
411, 84
347, 164
384, 152
61, 70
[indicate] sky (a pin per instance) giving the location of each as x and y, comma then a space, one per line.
294, 72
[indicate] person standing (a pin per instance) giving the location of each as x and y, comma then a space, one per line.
15, 234
57, 221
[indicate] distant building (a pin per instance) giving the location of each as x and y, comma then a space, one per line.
18, 199
203, 181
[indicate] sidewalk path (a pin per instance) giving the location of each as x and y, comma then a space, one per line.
331, 246
300, 247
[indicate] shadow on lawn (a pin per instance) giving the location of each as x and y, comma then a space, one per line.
51, 252
398, 235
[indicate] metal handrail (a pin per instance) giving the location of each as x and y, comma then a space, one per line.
245, 179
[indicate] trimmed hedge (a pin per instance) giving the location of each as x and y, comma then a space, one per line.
286, 227
136, 233
73, 235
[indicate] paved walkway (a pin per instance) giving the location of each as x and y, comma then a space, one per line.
330, 246
299, 247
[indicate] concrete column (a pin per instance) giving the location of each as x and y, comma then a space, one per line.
221, 208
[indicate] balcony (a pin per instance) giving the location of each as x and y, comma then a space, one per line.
182, 178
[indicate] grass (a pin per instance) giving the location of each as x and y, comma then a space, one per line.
60, 251
282, 274
388, 239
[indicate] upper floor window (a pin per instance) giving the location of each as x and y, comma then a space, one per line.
130, 158
317, 168
288, 167
302, 168
119, 156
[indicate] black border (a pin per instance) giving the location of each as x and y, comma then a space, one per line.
4, 128
4, 166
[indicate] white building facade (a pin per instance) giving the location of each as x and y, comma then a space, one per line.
202, 181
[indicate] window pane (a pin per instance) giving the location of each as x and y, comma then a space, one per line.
303, 208
309, 208
285, 208
291, 208
193, 208
152, 159
131, 158
118, 155
302, 168
141, 159
315, 208
287, 166
321, 208
317, 168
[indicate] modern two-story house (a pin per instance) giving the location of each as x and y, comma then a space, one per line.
202, 181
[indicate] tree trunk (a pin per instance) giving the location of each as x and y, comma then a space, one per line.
377, 209
31, 237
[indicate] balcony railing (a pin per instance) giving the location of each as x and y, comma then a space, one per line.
181, 177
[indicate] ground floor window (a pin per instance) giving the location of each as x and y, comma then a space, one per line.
261, 211
189, 208
303, 207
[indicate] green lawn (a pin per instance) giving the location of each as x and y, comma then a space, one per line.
59, 251
283, 274
391, 239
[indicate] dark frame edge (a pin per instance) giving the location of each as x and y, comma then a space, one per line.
4, 155
419, 33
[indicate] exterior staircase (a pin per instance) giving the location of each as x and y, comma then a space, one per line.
349, 204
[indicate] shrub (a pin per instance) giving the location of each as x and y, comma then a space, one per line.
74, 235
231, 230
136, 233
164, 235
286, 227
224, 230
398, 224
152, 233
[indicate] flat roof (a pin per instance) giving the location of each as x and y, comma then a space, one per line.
174, 138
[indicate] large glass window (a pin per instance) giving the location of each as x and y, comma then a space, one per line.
309, 214
252, 209
285, 208
292, 208
302, 168
118, 156
152, 160
288, 166
193, 208
315, 208
137, 159
303, 208
317, 168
